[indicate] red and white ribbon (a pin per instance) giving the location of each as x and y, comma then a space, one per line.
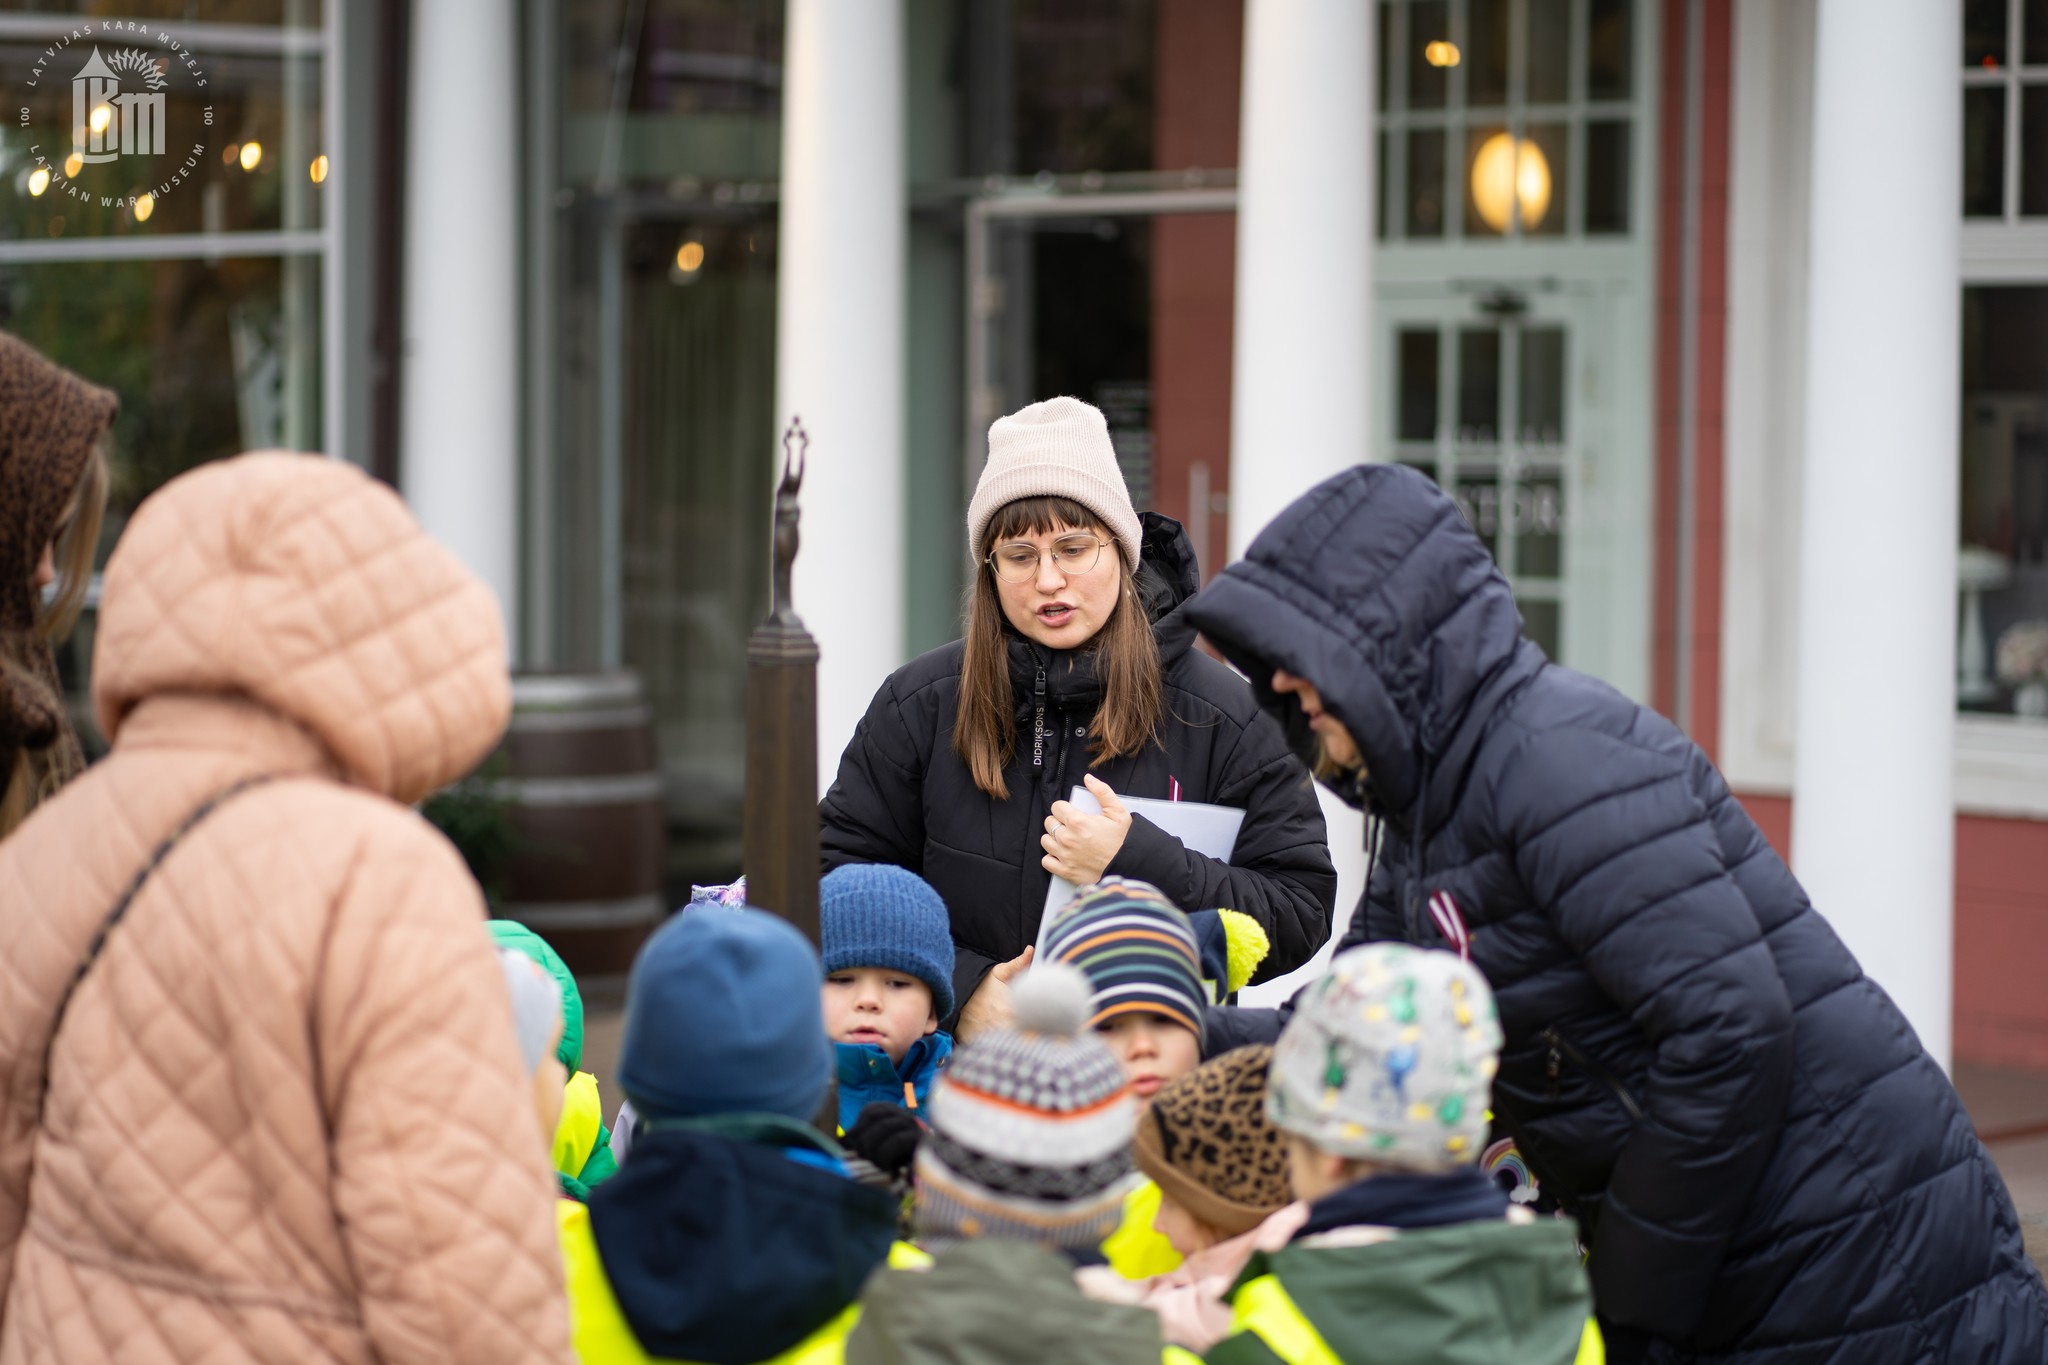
1450, 922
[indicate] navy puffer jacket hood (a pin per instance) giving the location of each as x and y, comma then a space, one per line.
1371, 587
1765, 1163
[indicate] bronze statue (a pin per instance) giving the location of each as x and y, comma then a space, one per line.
781, 835
796, 445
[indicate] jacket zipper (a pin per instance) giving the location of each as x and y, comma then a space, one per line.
1038, 721
1561, 1047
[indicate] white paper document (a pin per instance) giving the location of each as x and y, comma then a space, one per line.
1205, 829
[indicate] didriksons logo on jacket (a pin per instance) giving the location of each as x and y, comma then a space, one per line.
139, 115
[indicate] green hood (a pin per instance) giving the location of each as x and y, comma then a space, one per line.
1467, 1294
512, 934
995, 1303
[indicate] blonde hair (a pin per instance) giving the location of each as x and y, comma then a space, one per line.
37, 774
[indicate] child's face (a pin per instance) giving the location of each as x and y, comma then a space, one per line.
1187, 1233
878, 1005
1153, 1050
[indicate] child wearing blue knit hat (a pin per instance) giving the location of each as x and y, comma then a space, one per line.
734, 1232
888, 957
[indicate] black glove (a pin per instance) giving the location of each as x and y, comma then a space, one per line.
886, 1137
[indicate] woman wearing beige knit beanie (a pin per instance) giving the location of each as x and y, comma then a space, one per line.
1077, 669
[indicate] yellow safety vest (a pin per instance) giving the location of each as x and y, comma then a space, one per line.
582, 1118
1135, 1251
601, 1335
1263, 1307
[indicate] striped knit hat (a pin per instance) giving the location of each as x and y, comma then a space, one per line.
1030, 1128
1137, 949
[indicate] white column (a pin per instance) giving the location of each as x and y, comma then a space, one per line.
1301, 365
459, 451
1873, 817
839, 343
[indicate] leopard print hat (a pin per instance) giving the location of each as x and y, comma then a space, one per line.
1207, 1144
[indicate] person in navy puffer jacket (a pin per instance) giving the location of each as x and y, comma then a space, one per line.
1765, 1163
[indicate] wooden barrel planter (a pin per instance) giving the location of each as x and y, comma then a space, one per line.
585, 791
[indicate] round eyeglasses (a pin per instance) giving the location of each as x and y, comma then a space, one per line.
1071, 555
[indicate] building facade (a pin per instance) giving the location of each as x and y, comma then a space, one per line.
562, 271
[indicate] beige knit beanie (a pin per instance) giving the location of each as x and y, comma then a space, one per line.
1059, 449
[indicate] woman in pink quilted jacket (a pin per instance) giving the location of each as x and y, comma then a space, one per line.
280, 1115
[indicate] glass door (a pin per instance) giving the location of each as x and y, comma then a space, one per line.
1495, 392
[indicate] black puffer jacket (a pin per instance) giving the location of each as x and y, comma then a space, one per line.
904, 796
1766, 1164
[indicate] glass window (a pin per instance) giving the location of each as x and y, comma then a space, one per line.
659, 466
1486, 52
1984, 32
1549, 61
2002, 662
210, 358
192, 120
1082, 85
1426, 182
1544, 187
1610, 50
1506, 459
2033, 150
1542, 621
2034, 30
263, 13
1478, 384
1984, 152
1429, 58
178, 138
1541, 420
1417, 419
1607, 178
1537, 517
1492, 103
1390, 56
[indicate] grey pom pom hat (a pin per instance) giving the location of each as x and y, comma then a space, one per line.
1390, 1058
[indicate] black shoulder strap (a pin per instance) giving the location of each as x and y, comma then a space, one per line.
120, 910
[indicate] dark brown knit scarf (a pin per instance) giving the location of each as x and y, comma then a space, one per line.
50, 420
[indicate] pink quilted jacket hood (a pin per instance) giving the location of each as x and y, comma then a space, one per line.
307, 586
285, 1117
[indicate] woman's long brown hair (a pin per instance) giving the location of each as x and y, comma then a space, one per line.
1126, 656
38, 774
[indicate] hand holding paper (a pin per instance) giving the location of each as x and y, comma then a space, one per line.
1079, 843
1201, 828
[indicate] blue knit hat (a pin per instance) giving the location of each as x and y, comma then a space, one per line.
875, 915
723, 1017
1137, 949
